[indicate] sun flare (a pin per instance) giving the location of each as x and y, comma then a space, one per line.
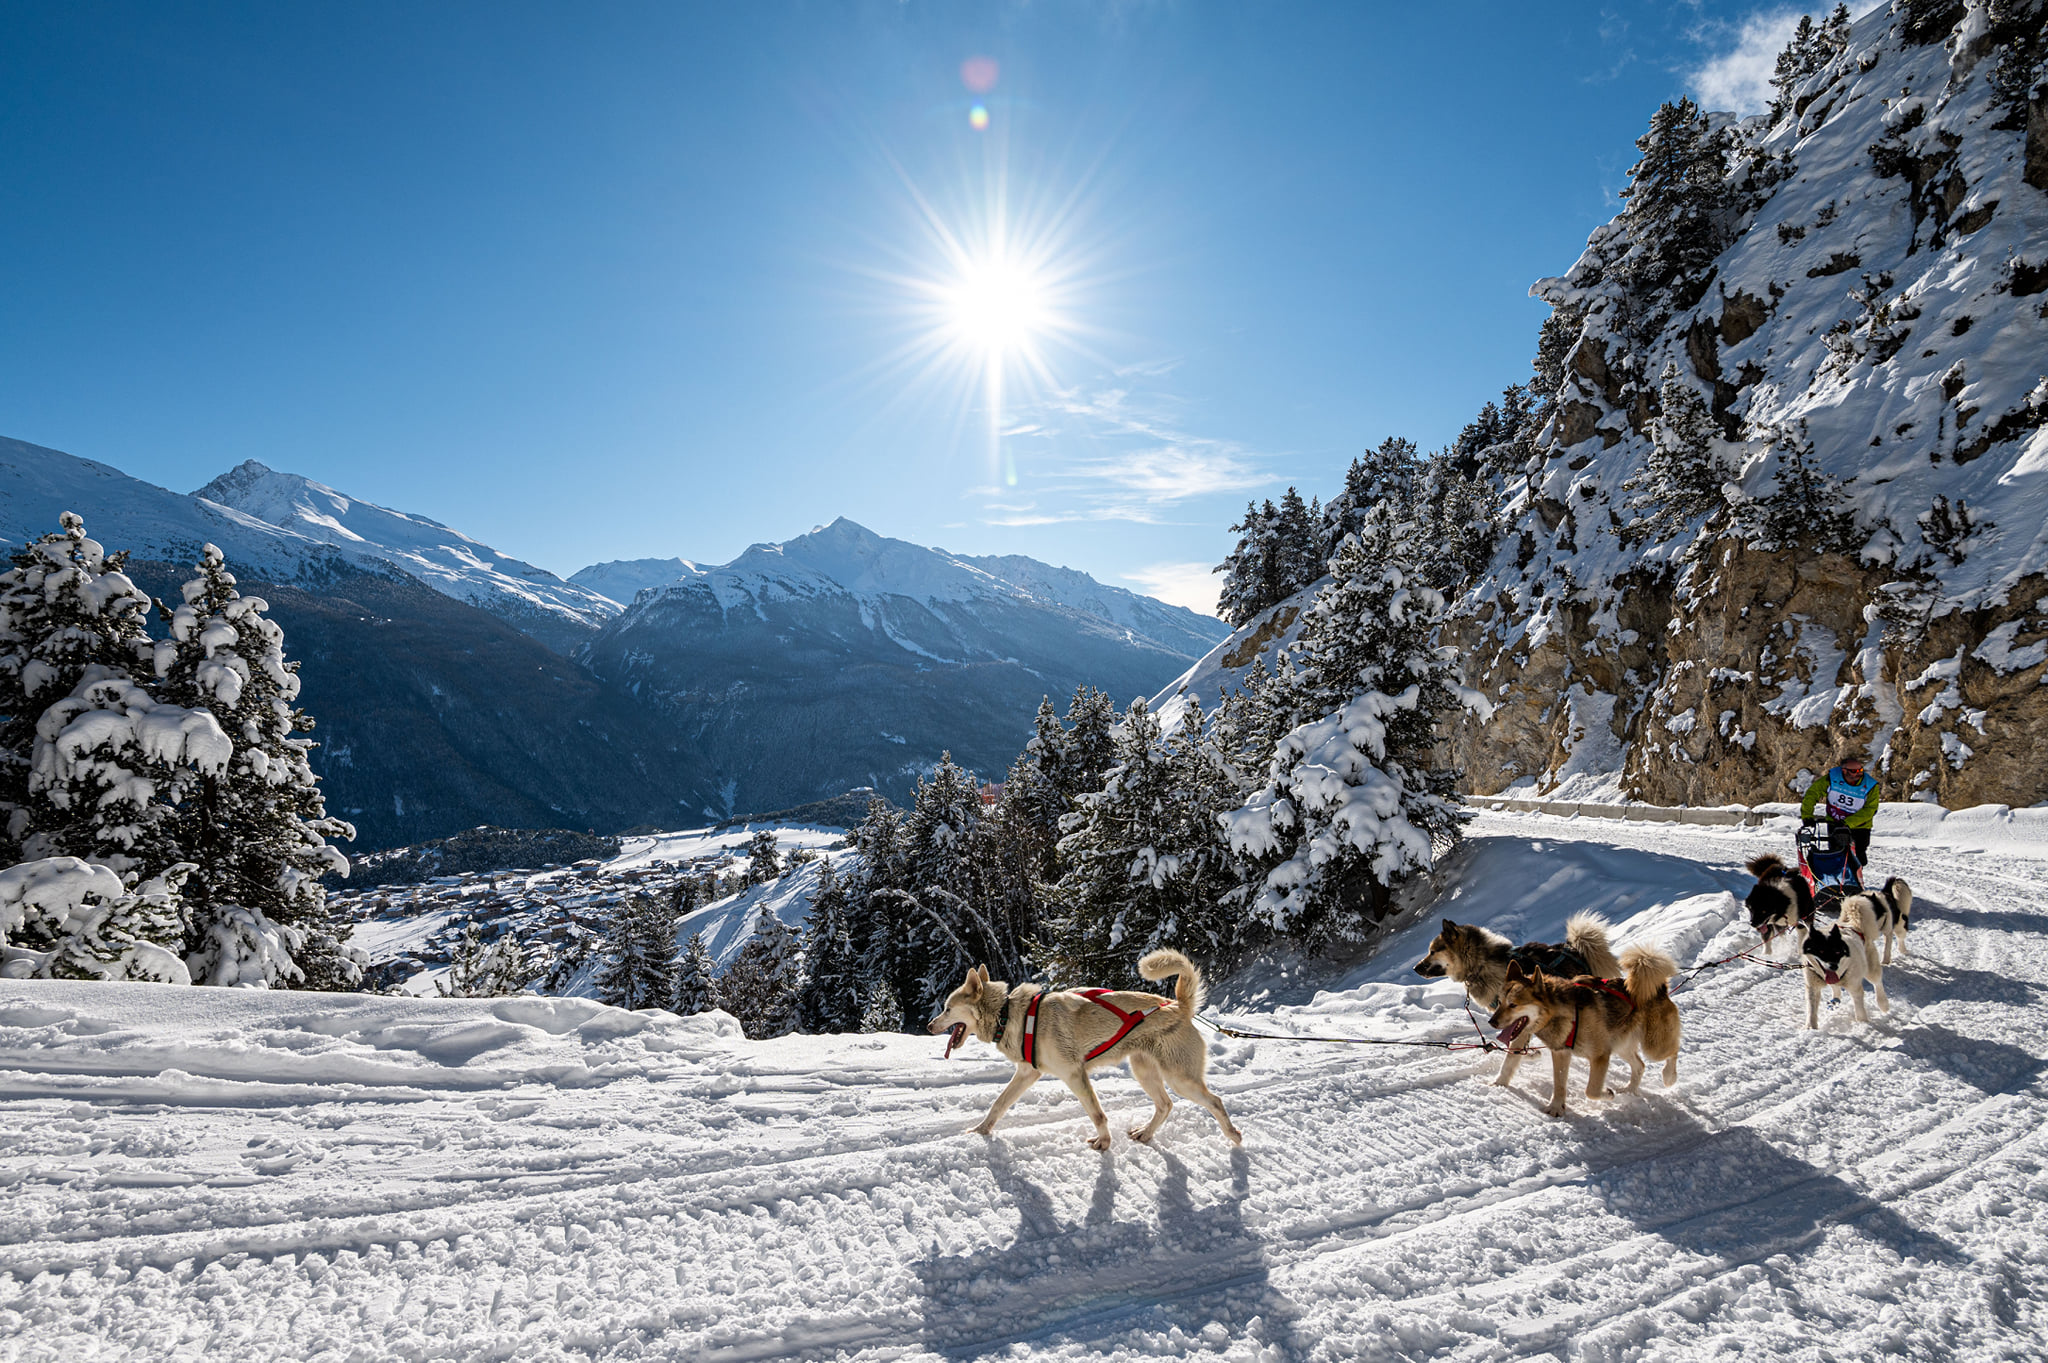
997, 306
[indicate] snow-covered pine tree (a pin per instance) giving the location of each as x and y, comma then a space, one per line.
830, 997
764, 863
760, 987
640, 956
487, 970
1677, 213
1685, 470
1012, 860
66, 918
1460, 516
1250, 570
696, 987
884, 1011
1033, 790
1383, 476
1298, 546
259, 829
1091, 743
65, 606
1805, 53
1145, 857
921, 950
1353, 796
110, 763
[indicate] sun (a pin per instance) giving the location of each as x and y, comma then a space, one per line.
997, 307
988, 295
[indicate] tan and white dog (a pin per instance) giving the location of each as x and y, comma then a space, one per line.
1066, 1033
1599, 1019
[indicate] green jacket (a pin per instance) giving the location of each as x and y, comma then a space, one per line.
1852, 804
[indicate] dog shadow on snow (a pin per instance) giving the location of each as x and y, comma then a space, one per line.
1195, 1266
1731, 1194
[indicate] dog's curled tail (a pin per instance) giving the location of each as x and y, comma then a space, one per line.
1902, 895
1647, 969
1187, 991
1586, 933
1767, 864
1858, 913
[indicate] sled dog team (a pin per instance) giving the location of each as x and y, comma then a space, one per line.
1841, 954
1577, 997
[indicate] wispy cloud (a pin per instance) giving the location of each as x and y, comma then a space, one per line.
1738, 79
1193, 585
1613, 32
1115, 454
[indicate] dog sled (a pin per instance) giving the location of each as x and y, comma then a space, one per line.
1828, 862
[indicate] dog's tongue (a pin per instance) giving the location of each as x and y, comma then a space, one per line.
955, 1038
1512, 1030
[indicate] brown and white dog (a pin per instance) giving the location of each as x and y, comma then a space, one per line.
1598, 1019
1478, 958
1066, 1033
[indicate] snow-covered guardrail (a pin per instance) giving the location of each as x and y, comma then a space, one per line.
1727, 816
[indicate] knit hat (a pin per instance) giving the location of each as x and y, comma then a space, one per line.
1851, 756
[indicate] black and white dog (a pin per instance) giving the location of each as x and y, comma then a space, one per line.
1781, 898
1841, 954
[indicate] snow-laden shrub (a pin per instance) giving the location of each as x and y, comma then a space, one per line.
63, 917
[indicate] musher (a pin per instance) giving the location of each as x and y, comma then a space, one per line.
1851, 795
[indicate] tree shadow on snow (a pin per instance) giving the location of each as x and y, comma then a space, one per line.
1960, 983
1733, 1195
1195, 1266
1987, 1066
1934, 910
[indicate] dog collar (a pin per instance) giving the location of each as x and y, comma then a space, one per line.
1003, 1017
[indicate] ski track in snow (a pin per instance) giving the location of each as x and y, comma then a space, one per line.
219, 1174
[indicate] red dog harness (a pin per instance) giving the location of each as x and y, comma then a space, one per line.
1029, 1041
1606, 987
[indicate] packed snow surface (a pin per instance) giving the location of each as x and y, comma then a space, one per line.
236, 1175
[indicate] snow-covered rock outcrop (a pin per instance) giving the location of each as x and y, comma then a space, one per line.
1871, 345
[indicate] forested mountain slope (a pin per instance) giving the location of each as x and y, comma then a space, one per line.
845, 658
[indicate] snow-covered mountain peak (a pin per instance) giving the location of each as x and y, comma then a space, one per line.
853, 558
445, 559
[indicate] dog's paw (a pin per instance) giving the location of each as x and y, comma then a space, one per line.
1140, 1134
1099, 1142
981, 1129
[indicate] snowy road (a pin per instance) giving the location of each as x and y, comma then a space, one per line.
229, 1175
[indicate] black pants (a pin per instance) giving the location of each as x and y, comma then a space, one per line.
1860, 837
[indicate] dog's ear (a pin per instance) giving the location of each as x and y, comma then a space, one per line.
1515, 971
1449, 927
977, 978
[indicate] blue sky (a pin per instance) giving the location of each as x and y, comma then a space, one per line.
632, 280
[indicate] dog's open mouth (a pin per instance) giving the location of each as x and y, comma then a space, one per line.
1513, 1030
956, 1037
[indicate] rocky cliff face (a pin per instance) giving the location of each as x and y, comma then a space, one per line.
1870, 345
